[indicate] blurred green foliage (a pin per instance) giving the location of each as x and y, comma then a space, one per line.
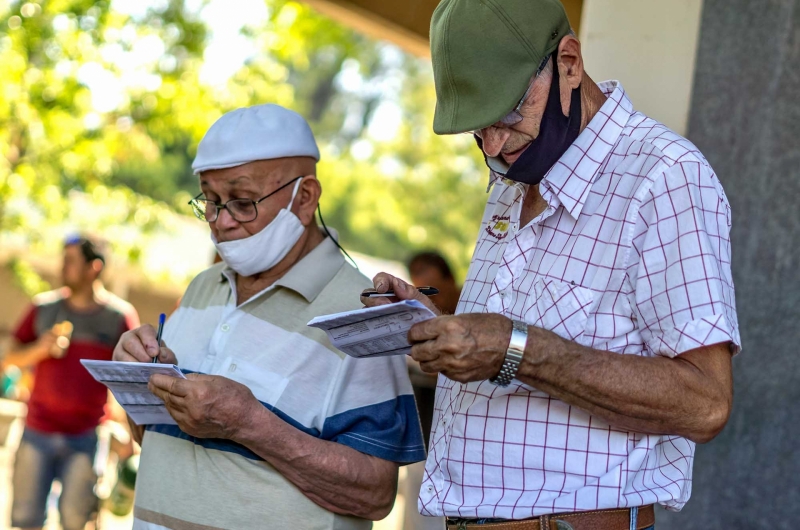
27, 278
387, 196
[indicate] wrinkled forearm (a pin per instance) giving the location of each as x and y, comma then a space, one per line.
689, 395
334, 476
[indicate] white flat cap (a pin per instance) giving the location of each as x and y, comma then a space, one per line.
255, 133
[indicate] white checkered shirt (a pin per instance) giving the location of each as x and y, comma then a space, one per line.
632, 255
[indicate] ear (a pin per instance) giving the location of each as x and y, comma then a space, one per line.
570, 69
96, 267
305, 204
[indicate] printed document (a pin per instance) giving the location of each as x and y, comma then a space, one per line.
128, 383
374, 331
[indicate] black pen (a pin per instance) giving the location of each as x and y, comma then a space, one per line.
427, 291
161, 319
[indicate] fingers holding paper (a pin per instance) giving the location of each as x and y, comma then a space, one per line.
464, 348
385, 282
206, 406
140, 345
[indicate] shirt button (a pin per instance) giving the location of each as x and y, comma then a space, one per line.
225, 327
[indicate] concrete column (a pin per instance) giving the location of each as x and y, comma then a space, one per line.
648, 45
745, 118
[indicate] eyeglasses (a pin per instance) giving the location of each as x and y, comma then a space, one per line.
242, 210
514, 117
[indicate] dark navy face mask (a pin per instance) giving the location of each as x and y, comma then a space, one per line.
556, 133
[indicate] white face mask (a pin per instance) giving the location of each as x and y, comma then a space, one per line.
264, 250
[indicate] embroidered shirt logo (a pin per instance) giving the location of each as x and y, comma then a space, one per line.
498, 227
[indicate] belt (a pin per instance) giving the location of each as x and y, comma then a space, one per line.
615, 519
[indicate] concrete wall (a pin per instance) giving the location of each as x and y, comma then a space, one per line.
745, 117
649, 45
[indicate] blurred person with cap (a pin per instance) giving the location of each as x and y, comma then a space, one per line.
275, 427
79, 321
591, 348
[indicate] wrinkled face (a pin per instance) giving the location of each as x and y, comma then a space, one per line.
76, 272
509, 142
251, 181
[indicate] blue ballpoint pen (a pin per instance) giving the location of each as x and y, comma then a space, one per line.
161, 319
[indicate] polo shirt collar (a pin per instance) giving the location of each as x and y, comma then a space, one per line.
309, 276
571, 178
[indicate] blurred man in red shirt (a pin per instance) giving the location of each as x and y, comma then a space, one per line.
79, 321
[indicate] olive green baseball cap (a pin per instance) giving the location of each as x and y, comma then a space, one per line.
484, 53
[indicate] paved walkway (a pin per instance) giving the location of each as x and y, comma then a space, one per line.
107, 521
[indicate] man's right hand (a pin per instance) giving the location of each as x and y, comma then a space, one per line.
402, 291
140, 345
47, 341
32, 353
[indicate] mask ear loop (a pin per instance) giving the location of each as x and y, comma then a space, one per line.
294, 193
321, 220
324, 226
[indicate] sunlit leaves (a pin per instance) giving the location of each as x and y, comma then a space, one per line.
73, 110
110, 103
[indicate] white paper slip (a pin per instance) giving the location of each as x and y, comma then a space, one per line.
374, 331
128, 383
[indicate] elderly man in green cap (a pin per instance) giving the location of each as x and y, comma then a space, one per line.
591, 348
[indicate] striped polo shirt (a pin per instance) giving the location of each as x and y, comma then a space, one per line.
367, 404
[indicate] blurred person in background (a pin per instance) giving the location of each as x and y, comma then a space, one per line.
591, 348
275, 427
79, 321
431, 269
426, 269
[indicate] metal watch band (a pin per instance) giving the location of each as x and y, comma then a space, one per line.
514, 353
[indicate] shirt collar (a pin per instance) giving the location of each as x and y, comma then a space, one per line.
309, 276
570, 179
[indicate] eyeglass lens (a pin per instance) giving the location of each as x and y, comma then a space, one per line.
242, 210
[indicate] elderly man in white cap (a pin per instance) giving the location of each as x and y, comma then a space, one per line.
275, 427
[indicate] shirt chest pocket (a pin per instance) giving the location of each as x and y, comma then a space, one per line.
560, 307
265, 385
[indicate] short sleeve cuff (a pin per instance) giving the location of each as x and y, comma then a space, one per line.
390, 430
713, 329
377, 448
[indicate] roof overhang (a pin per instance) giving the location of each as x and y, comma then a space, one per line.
405, 23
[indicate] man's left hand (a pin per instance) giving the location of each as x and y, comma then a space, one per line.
206, 406
467, 347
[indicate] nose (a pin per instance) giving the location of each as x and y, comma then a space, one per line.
494, 138
225, 220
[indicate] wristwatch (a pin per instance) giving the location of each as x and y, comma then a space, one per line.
514, 353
